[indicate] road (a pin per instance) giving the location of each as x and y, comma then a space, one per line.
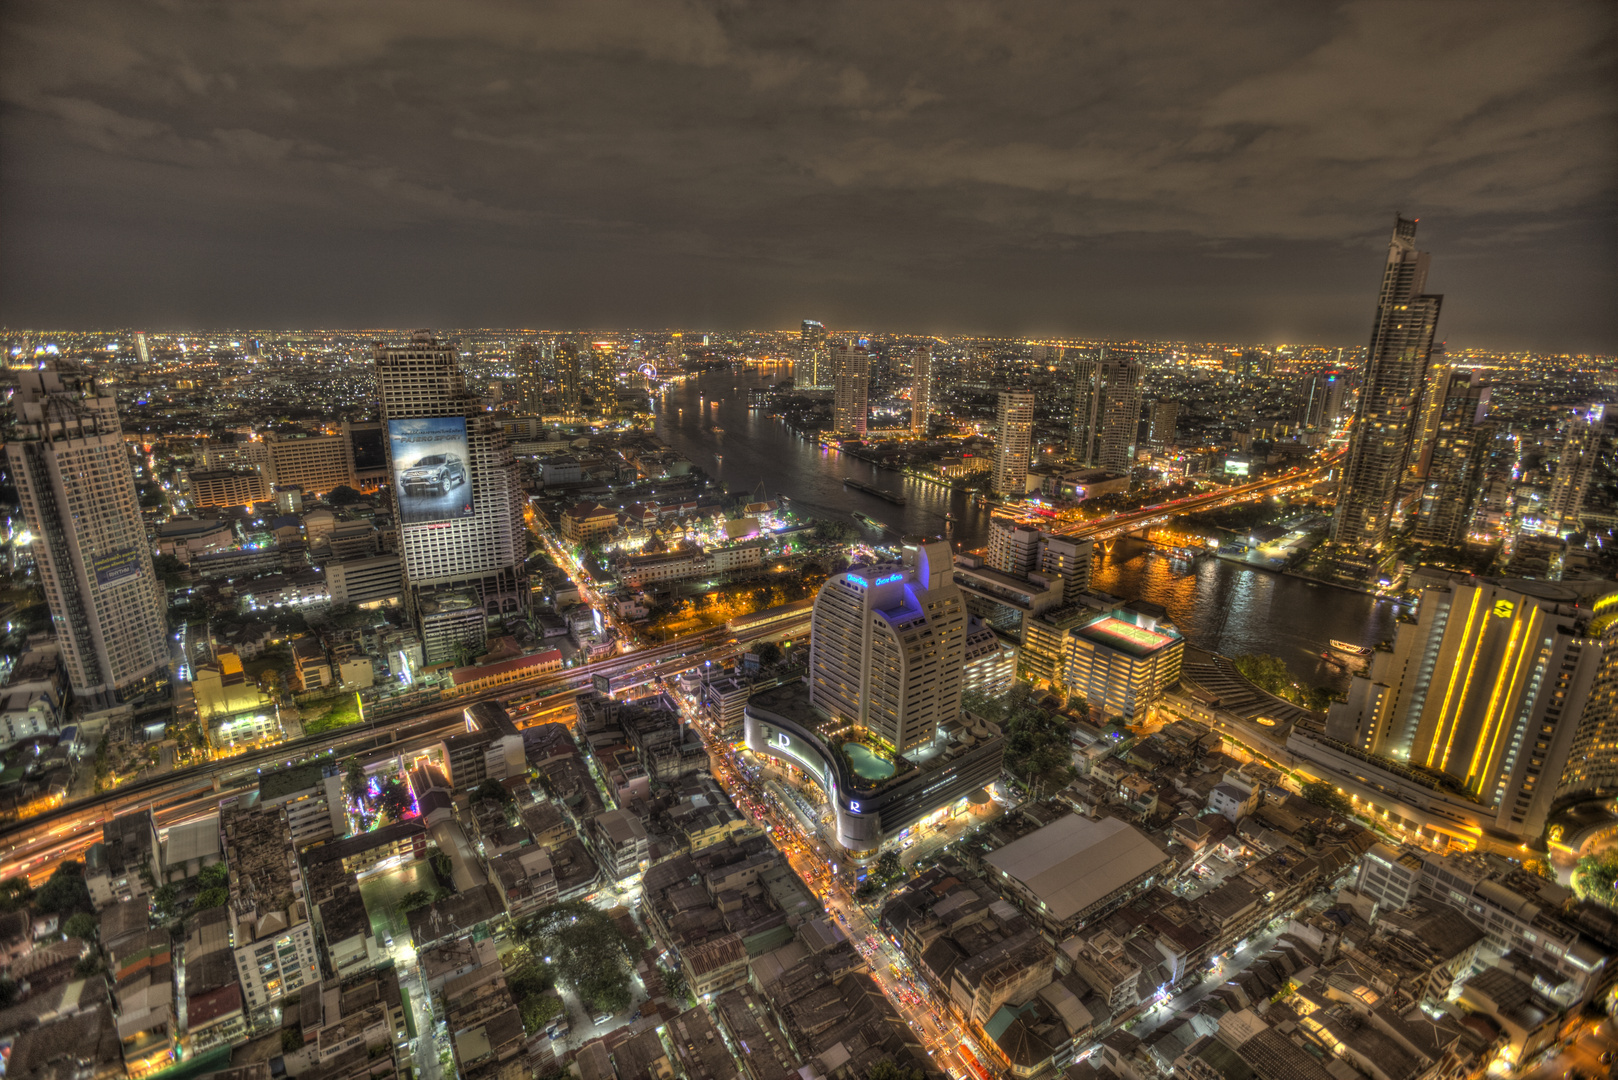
34, 847
1159, 513
1580, 1056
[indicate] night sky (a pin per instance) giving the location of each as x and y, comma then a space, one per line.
1187, 170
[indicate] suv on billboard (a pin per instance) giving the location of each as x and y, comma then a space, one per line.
436, 473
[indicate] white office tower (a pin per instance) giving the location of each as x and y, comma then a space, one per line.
921, 389
1013, 443
888, 644
850, 388
458, 500
77, 491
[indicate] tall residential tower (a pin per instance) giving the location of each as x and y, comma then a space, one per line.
1105, 426
1013, 443
77, 492
921, 389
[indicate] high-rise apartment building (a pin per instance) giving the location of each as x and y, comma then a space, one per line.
1013, 443
77, 491
143, 348
887, 645
1488, 687
460, 505
569, 377
814, 357
1389, 418
1318, 399
1592, 763
1454, 461
603, 379
1105, 426
1579, 462
851, 387
921, 389
1165, 417
1432, 407
530, 364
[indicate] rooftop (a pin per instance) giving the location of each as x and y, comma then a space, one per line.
1125, 637
1075, 862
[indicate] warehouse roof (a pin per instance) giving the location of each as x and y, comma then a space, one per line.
1075, 862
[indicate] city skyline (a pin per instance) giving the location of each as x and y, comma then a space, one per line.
743, 168
1061, 644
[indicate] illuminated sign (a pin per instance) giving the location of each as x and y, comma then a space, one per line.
889, 579
431, 476
1503, 608
784, 739
855, 579
853, 806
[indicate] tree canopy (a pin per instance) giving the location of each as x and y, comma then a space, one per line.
1328, 797
585, 949
1039, 749
65, 892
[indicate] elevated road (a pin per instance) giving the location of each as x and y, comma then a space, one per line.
36, 846
1159, 513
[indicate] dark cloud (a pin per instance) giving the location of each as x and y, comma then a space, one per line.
1165, 170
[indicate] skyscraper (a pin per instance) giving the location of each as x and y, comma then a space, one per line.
1592, 764
1164, 418
1455, 460
1388, 419
887, 644
1432, 407
814, 368
1318, 399
1105, 425
568, 377
1578, 463
456, 489
921, 389
1013, 443
529, 364
850, 388
77, 492
603, 379
1489, 686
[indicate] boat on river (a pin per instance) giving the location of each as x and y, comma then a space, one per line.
1348, 649
868, 521
872, 489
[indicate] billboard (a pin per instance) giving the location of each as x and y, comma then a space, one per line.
432, 477
116, 567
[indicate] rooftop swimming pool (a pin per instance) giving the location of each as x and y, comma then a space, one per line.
868, 765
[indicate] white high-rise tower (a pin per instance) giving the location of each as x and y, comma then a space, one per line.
78, 496
888, 643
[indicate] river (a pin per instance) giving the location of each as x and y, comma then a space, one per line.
1217, 604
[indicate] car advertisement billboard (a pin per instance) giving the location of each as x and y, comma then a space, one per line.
431, 472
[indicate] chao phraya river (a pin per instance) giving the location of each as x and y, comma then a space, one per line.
1218, 605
